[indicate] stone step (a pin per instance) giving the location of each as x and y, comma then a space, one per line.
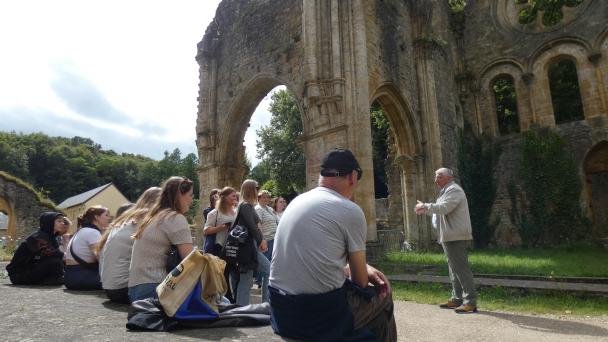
515, 283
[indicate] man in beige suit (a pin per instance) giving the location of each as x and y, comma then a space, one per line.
451, 217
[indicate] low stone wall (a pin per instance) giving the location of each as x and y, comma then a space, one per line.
23, 207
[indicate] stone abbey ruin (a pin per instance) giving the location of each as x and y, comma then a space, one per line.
499, 67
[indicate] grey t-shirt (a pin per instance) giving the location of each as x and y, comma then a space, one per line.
115, 257
149, 256
317, 231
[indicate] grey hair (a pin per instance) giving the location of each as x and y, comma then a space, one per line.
446, 171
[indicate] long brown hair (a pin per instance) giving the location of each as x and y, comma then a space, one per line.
212, 201
133, 214
89, 215
167, 204
222, 204
249, 191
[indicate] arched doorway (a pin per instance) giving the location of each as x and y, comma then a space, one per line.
222, 152
596, 173
407, 165
7, 221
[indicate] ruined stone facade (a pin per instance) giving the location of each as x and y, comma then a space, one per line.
22, 206
429, 68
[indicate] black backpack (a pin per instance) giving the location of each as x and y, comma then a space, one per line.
236, 239
239, 250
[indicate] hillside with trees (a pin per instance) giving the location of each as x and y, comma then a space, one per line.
62, 167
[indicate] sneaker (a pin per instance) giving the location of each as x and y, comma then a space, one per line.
449, 305
464, 309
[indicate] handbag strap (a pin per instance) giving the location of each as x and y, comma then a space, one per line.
92, 266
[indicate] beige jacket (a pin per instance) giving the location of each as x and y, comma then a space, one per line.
452, 214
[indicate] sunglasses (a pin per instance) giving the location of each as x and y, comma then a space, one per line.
342, 174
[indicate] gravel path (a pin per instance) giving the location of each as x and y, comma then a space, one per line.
55, 314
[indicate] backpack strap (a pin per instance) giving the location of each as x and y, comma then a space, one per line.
91, 266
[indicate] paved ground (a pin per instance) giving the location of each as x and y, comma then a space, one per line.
55, 314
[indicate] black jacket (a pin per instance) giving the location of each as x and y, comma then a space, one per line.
39, 245
247, 255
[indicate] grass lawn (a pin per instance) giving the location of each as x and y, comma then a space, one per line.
577, 261
506, 299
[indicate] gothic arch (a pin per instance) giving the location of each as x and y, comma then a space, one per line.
8, 209
403, 124
409, 159
578, 51
487, 106
596, 175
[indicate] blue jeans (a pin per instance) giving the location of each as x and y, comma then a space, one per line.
268, 253
78, 277
142, 291
241, 283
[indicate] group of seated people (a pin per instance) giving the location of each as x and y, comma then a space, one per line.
126, 257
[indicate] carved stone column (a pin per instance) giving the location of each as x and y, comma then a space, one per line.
206, 123
336, 82
418, 231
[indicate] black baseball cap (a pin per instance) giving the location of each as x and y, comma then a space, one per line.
338, 163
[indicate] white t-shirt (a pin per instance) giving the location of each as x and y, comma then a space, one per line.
216, 218
82, 241
314, 237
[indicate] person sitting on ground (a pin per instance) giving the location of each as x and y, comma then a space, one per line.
163, 226
123, 207
38, 259
116, 246
241, 276
209, 244
82, 267
279, 204
319, 279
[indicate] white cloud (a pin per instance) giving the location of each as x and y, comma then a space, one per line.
135, 58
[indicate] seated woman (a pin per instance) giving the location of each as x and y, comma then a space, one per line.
116, 246
163, 226
38, 260
82, 268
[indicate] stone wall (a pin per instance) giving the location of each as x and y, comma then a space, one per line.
23, 206
429, 68
496, 44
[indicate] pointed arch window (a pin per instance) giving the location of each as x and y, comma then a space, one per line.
565, 91
505, 98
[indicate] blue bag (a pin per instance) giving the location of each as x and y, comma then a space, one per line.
194, 308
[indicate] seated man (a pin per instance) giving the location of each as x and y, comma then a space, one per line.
319, 281
38, 260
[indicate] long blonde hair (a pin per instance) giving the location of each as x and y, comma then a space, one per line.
222, 205
167, 203
133, 214
249, 191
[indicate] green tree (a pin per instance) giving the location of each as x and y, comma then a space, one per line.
380, 126
552, 189
261, 172
278, 144
477, 158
